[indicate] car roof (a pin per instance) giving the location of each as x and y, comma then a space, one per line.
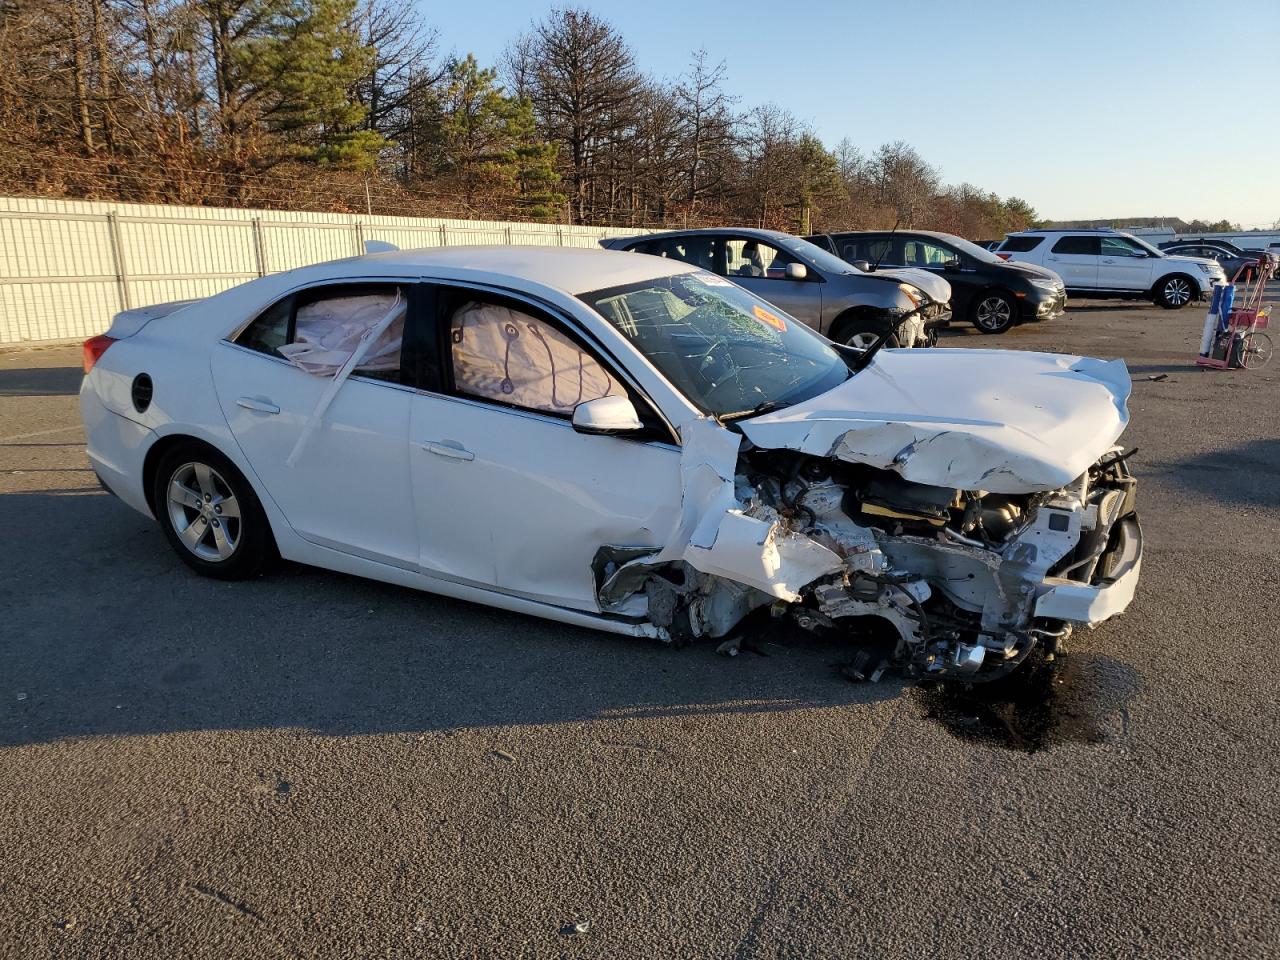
1044, 230
573, 270
934, 234
755, 232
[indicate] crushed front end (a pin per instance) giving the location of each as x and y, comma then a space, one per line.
970, 581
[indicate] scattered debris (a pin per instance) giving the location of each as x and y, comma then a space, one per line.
1157, 377
865, 667
569, 929
503, 755
22, 696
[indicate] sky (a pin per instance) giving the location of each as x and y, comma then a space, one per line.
1085, 109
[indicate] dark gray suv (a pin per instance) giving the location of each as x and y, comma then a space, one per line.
820, 290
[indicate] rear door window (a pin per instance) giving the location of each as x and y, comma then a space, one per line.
697, 250
1080, 246
318, 329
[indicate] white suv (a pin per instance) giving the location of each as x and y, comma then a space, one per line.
1108, 263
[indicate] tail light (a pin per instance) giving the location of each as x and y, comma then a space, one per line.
1003, 256
94, 348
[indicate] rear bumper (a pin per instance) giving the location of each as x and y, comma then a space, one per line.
1092, 603
116, 447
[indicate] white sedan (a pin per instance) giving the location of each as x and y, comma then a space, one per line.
625, 443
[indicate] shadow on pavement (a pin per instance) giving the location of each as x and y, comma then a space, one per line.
1244, 474
41, 382
105, 632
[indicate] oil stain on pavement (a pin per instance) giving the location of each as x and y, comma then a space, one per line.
1045, 703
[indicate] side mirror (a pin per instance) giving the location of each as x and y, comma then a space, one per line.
607, 416
863, 265
951, 266
797, 271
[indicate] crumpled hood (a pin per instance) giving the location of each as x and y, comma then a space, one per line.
938, 289
997, 420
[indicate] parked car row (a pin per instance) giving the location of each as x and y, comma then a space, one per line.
986, 291
847, 304
1235, 261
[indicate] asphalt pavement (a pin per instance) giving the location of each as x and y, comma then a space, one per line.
313, 765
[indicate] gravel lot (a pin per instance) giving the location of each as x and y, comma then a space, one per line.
319, 766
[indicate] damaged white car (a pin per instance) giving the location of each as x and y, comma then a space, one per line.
626, 443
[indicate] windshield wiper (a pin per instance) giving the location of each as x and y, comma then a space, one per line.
759, 408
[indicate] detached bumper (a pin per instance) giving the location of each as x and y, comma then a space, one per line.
1111, 595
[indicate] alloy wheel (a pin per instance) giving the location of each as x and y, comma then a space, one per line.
1177, 291
863, 339
204, 512
993, 313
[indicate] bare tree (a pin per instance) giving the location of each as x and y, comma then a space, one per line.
707, 121
581, 77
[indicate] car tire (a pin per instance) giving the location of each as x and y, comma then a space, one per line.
994, 312
863, 339
210, 514
1175, 291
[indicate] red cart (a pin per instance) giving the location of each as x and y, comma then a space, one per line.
1240, 341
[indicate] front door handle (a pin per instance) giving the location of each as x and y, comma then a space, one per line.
261, 406
447, 448
1108, 261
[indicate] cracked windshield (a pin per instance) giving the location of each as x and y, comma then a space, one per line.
728, 351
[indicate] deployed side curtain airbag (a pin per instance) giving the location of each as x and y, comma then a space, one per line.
328, 332
372, 335
505, 355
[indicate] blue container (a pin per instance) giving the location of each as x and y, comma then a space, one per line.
1224, 296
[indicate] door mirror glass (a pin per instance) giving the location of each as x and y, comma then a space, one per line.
797, 271
607, 415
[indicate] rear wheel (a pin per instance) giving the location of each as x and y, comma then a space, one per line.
1255, 350
994, 312
210, 515
1175, 292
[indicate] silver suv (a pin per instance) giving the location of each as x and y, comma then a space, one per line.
1110, 264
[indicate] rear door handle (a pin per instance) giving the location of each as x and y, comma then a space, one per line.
1108, 261
447, 448
261, 406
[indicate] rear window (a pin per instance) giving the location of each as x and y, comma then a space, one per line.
1078, 245
1019, 244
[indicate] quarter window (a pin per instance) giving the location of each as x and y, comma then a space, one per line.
1020, 244
505, 355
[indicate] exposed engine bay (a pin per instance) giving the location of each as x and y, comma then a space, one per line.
971, 581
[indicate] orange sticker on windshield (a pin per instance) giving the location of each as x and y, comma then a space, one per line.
773, 320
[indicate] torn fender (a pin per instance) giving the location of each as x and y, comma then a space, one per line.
720, 536
997, 420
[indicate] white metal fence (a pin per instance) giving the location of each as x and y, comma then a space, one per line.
67, 266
